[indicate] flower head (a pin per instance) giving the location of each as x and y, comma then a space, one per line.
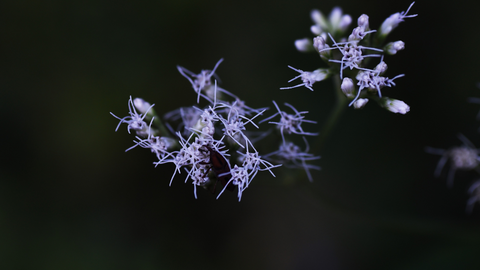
353, 52
135, 120
291, 156
290, 123
371, 80
393, 47
160, 146
463, 157
303, 45
392, 22
360, 103
308, 78
337, 22
203, 82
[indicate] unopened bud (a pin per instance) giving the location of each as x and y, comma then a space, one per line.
319, 43
358, 33
381, 67
303, 45
345, 22
394, 105
141, 105
347, 87
393, 47
363, 21
360, 103
335, 17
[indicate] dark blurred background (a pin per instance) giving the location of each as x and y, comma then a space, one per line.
71, 198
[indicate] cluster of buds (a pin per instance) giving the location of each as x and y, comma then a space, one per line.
212, 144
348, 56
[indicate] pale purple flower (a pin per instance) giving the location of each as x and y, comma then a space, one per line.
290, 123
135, 120
308, 78
392, 22
291, 156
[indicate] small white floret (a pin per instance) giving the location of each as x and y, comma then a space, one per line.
308, 78
396, 106
360, 103
392, 22
303, 45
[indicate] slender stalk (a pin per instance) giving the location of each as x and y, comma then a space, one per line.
157, 121
340, 105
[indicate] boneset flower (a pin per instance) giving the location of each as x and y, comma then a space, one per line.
290, 123
353, 52
203, 82
135, 120
308, 78
371, 80
463, 157
392, 22
291, 156
212, 144
393, 47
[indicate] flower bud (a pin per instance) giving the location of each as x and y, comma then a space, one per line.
394, 105
141, 105
347, 87
363, 21
319, 43
360, 103
393, 47
392, 22
315, 29
320, 22
303, 45
381, 67
318, 18
335, 18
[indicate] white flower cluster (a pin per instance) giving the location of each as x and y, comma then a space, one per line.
352, 53
212, 144
288, 153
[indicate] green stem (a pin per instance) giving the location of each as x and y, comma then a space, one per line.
157, 121
161, 127
335, 114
